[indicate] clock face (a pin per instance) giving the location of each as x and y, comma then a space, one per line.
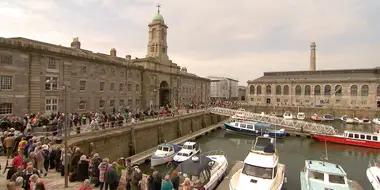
152, 49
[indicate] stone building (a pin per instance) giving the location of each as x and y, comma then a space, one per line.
354, 88
242, 93
223, 88
34, 76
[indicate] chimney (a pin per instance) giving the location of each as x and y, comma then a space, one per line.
113, 52
75, 43
313, 64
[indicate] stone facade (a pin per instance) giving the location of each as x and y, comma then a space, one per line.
358, 88
242, 93
223, 88
35, 75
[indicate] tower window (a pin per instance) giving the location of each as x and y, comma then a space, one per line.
162, 34
163, 50
153, 33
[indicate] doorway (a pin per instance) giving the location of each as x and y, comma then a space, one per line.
164, 93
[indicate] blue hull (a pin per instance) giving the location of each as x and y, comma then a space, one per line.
271, 133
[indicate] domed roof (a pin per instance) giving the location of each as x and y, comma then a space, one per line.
158, 17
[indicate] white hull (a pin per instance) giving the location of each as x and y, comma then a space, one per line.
159, 161
180, 159
376, 121
372, 172
218, 173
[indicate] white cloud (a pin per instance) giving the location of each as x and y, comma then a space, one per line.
239, 39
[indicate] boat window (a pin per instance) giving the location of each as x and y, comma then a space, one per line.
204, 176
189, 147
165, 148
350, 135
336, 179
275, 172
316, 175
256, 171
374, 138
191, 153
159, 148
369, 137
356, 136
250, 126
185, 154
237, 124
212, 165
362, 136
242, 125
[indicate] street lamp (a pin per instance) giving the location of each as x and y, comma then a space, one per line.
66, 164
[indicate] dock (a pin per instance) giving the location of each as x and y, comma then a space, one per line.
143, 156
226, 181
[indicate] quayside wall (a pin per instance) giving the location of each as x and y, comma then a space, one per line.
129, 140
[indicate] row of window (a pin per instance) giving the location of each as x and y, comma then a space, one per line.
338, 89
6, 60
363, 136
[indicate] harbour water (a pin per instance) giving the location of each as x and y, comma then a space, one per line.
294, 151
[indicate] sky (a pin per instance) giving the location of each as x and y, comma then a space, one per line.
237, 39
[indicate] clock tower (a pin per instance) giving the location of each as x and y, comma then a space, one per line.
157, 43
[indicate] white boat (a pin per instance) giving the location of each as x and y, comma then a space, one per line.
366, 120
189, 149
346, 119
328, 117
362, 120
288, 115
376, 121
210, 168
301, 116
373, 174
164, 153
261, 169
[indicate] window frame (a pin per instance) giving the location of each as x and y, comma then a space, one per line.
6, 81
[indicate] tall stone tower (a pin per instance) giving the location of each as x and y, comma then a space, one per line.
157, 43
313, 64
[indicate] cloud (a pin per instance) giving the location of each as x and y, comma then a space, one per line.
239, 39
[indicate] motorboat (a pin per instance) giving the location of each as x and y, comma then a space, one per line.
288, 115
261, 168
355, 138
315, 117
253, 128
362, 120
189, 149
328, 117
301, 116
376, 120
366, 120
373, 174
324, 175
210, 168
164, 153
346, 119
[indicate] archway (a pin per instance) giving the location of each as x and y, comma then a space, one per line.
164, 93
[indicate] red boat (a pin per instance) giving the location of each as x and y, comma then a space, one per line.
355, 138
315, 117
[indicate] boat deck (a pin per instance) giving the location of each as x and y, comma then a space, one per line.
142, 156
355, 185
226, 181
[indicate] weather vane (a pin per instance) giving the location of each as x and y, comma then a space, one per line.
158, 7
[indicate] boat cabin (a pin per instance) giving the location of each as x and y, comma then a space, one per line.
190, 146
165, 148
357, 135
328, 174
197, 168
186, 153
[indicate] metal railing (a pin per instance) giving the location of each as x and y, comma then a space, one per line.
278, 121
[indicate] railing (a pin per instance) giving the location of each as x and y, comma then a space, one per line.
278, 121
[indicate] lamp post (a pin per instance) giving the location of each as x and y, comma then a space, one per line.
66, 163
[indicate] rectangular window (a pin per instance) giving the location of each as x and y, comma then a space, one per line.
129, 75
101, 86
356, 136
6, 60
369, 137
6, 108
112, 103
138, 76
51, 83
129, 87
250, 126
129, 101
52, 63
6, 82
137, 102
51, 105
82, 105
121, 102
122, 74
83, 69
350, 135
121, 87
112, 87
101, 103
137, 88
374, 138
362, 137
242, 125
82, 85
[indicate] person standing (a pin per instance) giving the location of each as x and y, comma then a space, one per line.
8, 145
112, 178
167, 185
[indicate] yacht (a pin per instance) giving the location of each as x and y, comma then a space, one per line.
373, 174
288, 115
328, 117
376, 121
189, 149
164, 153
324, 175
346, 119
301, 116
362, 120
261, 168
210, 168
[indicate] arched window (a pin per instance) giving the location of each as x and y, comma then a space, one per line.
278, 90
268, 90
162, 34
354, 90
153, 33
258, 90
286, 90
252, 89
317, 90
365, 90
338, 90
327, 90
307, 90
378, 90
298, 90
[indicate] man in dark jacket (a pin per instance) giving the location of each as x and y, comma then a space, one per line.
112, 177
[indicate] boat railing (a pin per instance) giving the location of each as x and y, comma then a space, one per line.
373, 163
214, 153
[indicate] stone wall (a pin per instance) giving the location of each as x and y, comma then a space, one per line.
336, 112
128, 141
